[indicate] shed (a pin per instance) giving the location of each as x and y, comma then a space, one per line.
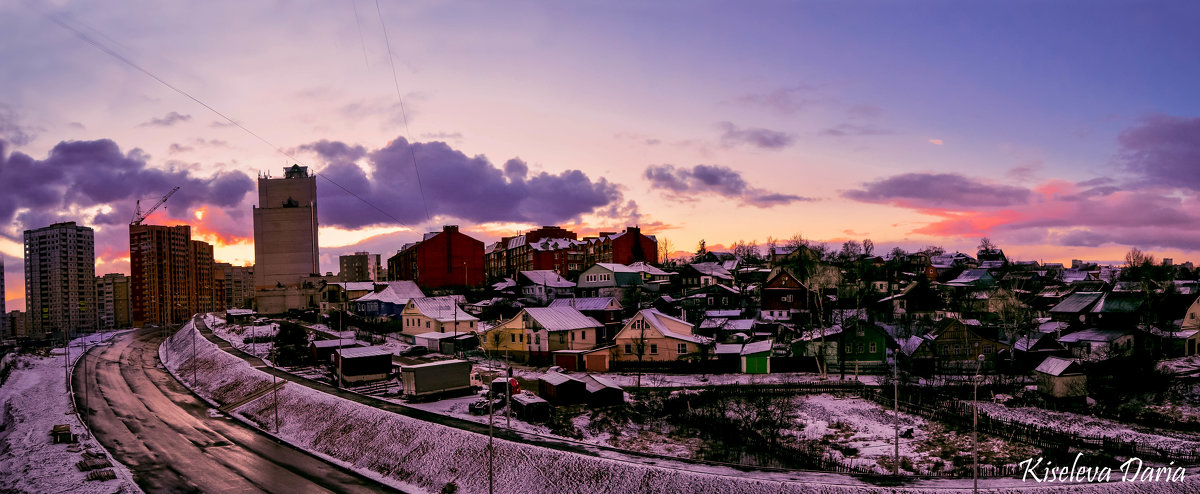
560, 389
322, 350
530, 408
240, 316
1061, 379
602, 392
362, 364
756, 357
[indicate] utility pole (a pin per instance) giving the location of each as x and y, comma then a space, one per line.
975, 429
195, 331
491, 450
896, 408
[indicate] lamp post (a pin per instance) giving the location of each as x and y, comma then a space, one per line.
975, 427
896, 408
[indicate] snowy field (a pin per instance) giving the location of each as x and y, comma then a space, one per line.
1086, 425
33, 400
236, 334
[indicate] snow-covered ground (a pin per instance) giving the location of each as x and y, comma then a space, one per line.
33, 400
236, 334
1086, 425
652, 380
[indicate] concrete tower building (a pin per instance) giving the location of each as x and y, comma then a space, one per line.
60, 272
285, 240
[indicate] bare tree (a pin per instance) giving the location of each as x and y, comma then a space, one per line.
985, 244
868, 247
665, 248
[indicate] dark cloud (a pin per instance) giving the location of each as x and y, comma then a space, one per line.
335, 151
76, 125
452, 184
84, 174
177, 148
938, 190
443, 136
166, 120
1082, 238
844, 130
683, 183
1163, 150
11, 129
732, 135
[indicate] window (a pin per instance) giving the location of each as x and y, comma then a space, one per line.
572, 336
945, 349
682, 348
987, 349
427, 324
860, 348
628, 348
583, 335
1191, 315
513, 336
471, 324
562, 338
521, 337
849, 349
537, 339
872, 348
654, 349
958, 350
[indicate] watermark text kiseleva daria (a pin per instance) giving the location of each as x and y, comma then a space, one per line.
1039, 470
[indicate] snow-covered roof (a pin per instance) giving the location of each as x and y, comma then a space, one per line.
397, 292
816, 333
728, 349
442, 309
910, 345
434, 335
561, 318
1077, 302
553, 243
507, 283
557, 378
239, 312
656, 318
1024, 343
712, 269
723, 313
585, 303
365, 351
546, 277
527, 399
756, 347
1056, 366
614, 267
436, 364
1093, 335
649, 269
334, 343
596, 383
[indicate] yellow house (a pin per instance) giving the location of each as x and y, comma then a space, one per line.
657, 337
535, 332
435, 315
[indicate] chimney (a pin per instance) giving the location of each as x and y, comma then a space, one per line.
450, 228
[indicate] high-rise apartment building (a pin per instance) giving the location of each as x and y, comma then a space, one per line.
237, 285
170, 274
200, 263
359, 266
60, 272
5, 330
113, 309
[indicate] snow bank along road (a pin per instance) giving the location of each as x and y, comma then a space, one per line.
409, 452
169, 440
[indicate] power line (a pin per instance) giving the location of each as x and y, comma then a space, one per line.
362, 39
403, 113
100, 46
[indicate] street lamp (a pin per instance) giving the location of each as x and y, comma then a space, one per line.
975, 426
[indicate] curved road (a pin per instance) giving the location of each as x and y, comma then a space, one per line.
170, 442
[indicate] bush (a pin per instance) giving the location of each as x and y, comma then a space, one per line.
291, 345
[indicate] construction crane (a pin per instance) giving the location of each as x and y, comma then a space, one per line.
139, 215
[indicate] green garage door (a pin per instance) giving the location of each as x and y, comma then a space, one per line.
756, 364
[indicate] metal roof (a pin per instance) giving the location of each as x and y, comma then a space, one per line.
436, 364
656, 318
1056, 366
364, 351
557, 378
596, 383
644, 267
334, 343
1094, 334
1077, 302
442, 309
756, 347
1120, 302
586, 303
561, 318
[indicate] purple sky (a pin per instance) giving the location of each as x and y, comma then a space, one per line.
1059, 129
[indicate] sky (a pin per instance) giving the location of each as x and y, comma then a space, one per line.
1060, 130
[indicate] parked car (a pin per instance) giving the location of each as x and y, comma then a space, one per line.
480, 406
415, 351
